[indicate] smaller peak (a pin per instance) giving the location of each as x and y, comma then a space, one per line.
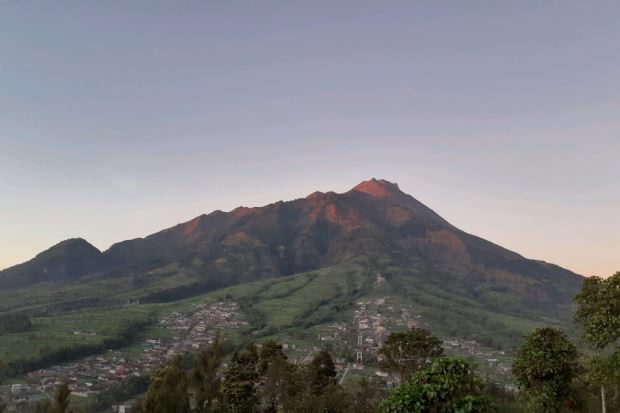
320, 195
315, 195
378, 188
73, 242
69, 245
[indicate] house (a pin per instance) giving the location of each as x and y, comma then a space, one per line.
124, 407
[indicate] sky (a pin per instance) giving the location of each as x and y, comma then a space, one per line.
118, 119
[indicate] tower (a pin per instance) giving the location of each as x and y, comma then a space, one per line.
359, 355
359, 359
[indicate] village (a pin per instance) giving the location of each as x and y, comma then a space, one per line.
92, 375
355, 345
358, 342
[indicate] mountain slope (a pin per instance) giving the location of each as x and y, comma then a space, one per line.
374, 224
66, 260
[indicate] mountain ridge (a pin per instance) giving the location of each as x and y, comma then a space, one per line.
374, 221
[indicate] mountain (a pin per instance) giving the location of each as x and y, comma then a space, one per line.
68, 259
375, 225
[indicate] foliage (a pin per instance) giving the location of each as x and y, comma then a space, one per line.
14, 323
448, 385
599, 310
205, 380
331, 399
545, 368
279, 384
598, 316
323, 371
168, 392
239, 381
262, 382
60, 401
74, 350
364, 396
408, 352
126, 389
269, 353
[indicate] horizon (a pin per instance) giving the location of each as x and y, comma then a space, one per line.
119, 120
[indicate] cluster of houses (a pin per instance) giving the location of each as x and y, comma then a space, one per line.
371, 319
20, 397
199, 326
496, 361
92, 375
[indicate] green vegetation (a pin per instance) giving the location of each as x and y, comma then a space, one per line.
545, 368
448, 385
406, 353
63, 338
598, 316
280, 308
168, 392
255, 382
14, 323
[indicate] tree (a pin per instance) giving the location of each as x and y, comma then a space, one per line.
544, 368
331, 399
205, 380
60, 401
240, 379
409, 352
323, 371
364, 396
598, 316
168, 392
279, 385
448, 385
269, 352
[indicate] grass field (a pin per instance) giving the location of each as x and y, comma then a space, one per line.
49, 334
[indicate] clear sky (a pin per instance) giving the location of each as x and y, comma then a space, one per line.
120, 118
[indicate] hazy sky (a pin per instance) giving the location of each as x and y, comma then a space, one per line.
121, 118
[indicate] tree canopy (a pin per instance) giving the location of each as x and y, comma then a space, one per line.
410, 351
598, 314
448, 385
545, 367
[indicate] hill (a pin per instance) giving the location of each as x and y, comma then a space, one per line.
66, 260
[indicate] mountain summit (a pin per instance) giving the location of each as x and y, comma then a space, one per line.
378, 188
374, 225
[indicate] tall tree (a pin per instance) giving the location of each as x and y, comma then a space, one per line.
269, 352
323, 371
279, 385
60, 400
277, 378
545, 367
168, 392
448, 385
408, 352
239, 385
598, 316
205, 379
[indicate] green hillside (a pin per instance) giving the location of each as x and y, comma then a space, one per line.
290, 308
